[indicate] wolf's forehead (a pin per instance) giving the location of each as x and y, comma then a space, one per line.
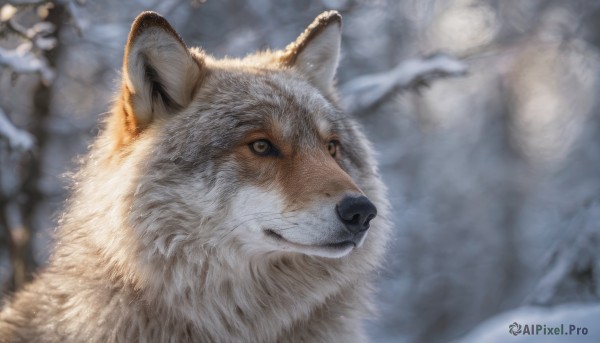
240, 102
295, 106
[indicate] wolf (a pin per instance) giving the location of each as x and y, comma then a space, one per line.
224, 200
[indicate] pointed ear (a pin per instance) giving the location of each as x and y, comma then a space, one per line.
159, 73
316, 52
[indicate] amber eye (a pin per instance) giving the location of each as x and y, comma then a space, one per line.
262, 147
332, 147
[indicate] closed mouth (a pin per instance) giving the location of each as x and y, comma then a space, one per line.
343, 245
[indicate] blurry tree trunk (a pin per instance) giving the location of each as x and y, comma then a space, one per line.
17, 208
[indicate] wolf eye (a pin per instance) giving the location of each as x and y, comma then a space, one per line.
262, 147
332, 147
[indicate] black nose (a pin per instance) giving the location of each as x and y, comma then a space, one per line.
356, 212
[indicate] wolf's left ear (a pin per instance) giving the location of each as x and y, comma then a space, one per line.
159, 73
316, 52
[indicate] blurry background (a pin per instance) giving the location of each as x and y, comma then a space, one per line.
494, 174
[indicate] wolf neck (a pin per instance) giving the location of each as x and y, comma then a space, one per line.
220, 296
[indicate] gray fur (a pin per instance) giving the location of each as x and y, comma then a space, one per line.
148, 250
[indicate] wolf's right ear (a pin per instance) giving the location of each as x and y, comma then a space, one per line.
160, 74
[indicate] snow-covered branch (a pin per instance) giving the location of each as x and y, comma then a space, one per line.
28, 57
367, 91
17, 139
38, 34
23, 60
573, 272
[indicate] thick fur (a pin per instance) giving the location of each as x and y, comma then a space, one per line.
163, 239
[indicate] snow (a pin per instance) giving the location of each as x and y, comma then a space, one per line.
23, 60
17, 139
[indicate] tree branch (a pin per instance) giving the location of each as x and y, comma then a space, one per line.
368, 91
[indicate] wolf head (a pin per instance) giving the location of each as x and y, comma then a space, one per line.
250, 154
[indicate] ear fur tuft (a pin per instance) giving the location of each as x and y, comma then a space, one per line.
315, 53
160, 74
